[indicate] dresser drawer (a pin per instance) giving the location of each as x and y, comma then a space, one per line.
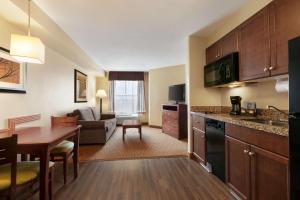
198, 122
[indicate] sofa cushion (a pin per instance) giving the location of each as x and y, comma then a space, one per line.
96, 114
86, 114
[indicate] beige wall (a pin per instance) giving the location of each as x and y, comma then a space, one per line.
159, 82
50, 87
198, 95
262, 93
102, 83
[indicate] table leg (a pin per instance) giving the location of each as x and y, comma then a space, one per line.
76, 153
44, 175
124, 131
140, 131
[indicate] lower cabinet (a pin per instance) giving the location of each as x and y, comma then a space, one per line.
254, 173
199, 145
238, 166
269, 175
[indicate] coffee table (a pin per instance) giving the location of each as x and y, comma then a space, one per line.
132, 124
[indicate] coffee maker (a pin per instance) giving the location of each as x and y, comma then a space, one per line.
236, 105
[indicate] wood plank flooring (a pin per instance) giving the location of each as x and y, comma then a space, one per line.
145, 179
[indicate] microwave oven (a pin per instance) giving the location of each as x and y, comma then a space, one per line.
223, 71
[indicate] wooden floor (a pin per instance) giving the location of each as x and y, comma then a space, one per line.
154, 179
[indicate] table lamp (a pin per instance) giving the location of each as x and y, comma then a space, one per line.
101, 94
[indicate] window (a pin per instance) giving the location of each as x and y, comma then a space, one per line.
128, 97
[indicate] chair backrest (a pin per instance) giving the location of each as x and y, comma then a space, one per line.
64, 121
13, 122
8, 154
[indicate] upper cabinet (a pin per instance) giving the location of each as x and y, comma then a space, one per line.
223, 47
262, 41
213, 52
284, 25
230, 42
255, 47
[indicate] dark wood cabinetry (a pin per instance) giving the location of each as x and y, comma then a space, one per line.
198, 133
223, 47
255, 47
213, 52
230, 42
238, 166
253, 172
269, 175
199, 145
285, 25
174, 120
262, 41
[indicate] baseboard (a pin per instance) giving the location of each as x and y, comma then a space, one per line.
154, 126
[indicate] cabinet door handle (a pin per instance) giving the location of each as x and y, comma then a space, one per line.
271, 68
251, 153
266, 69
246, 151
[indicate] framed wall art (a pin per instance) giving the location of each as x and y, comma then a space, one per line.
80, 87
12, 73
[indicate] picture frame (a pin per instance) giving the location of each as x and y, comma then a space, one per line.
13, 74
80, 87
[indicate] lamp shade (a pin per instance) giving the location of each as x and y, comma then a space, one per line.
27, 49
101, 94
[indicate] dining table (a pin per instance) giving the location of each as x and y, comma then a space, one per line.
39, 141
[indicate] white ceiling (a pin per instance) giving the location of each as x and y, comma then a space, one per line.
135, 34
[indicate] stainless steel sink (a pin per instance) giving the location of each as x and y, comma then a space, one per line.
268, 122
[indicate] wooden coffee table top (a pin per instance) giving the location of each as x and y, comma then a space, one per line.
131, 123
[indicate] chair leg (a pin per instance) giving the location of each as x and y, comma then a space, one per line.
51, 180
74, 165
65, 166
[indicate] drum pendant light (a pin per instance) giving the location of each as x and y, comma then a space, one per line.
27, 48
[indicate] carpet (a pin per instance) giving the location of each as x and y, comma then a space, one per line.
154, 143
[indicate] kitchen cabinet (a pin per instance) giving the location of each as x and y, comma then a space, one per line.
255, 47
269, 175
199, 145
285, 25
252, 171
228, 44
238, 166
198, 134
262, 41
213, 52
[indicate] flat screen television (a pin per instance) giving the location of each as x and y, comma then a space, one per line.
177, 93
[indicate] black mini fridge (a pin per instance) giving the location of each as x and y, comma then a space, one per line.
294, 117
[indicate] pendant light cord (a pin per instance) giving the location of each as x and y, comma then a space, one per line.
29, 33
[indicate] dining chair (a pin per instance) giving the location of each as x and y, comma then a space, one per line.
14, 122
18, 177
64, 150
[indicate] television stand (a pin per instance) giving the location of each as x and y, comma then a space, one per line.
174, 120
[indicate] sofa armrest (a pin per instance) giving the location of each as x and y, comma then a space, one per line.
108, 116
92, 124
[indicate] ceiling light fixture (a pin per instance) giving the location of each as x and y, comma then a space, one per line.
27, 48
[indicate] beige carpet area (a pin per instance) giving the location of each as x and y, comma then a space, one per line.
154, 143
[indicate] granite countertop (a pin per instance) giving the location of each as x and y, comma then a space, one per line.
237, 120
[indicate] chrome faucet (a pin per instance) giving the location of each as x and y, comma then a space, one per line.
269, 107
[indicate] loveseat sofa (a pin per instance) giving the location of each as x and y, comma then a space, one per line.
96, 128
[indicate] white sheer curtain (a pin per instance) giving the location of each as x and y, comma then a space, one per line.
127, 97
